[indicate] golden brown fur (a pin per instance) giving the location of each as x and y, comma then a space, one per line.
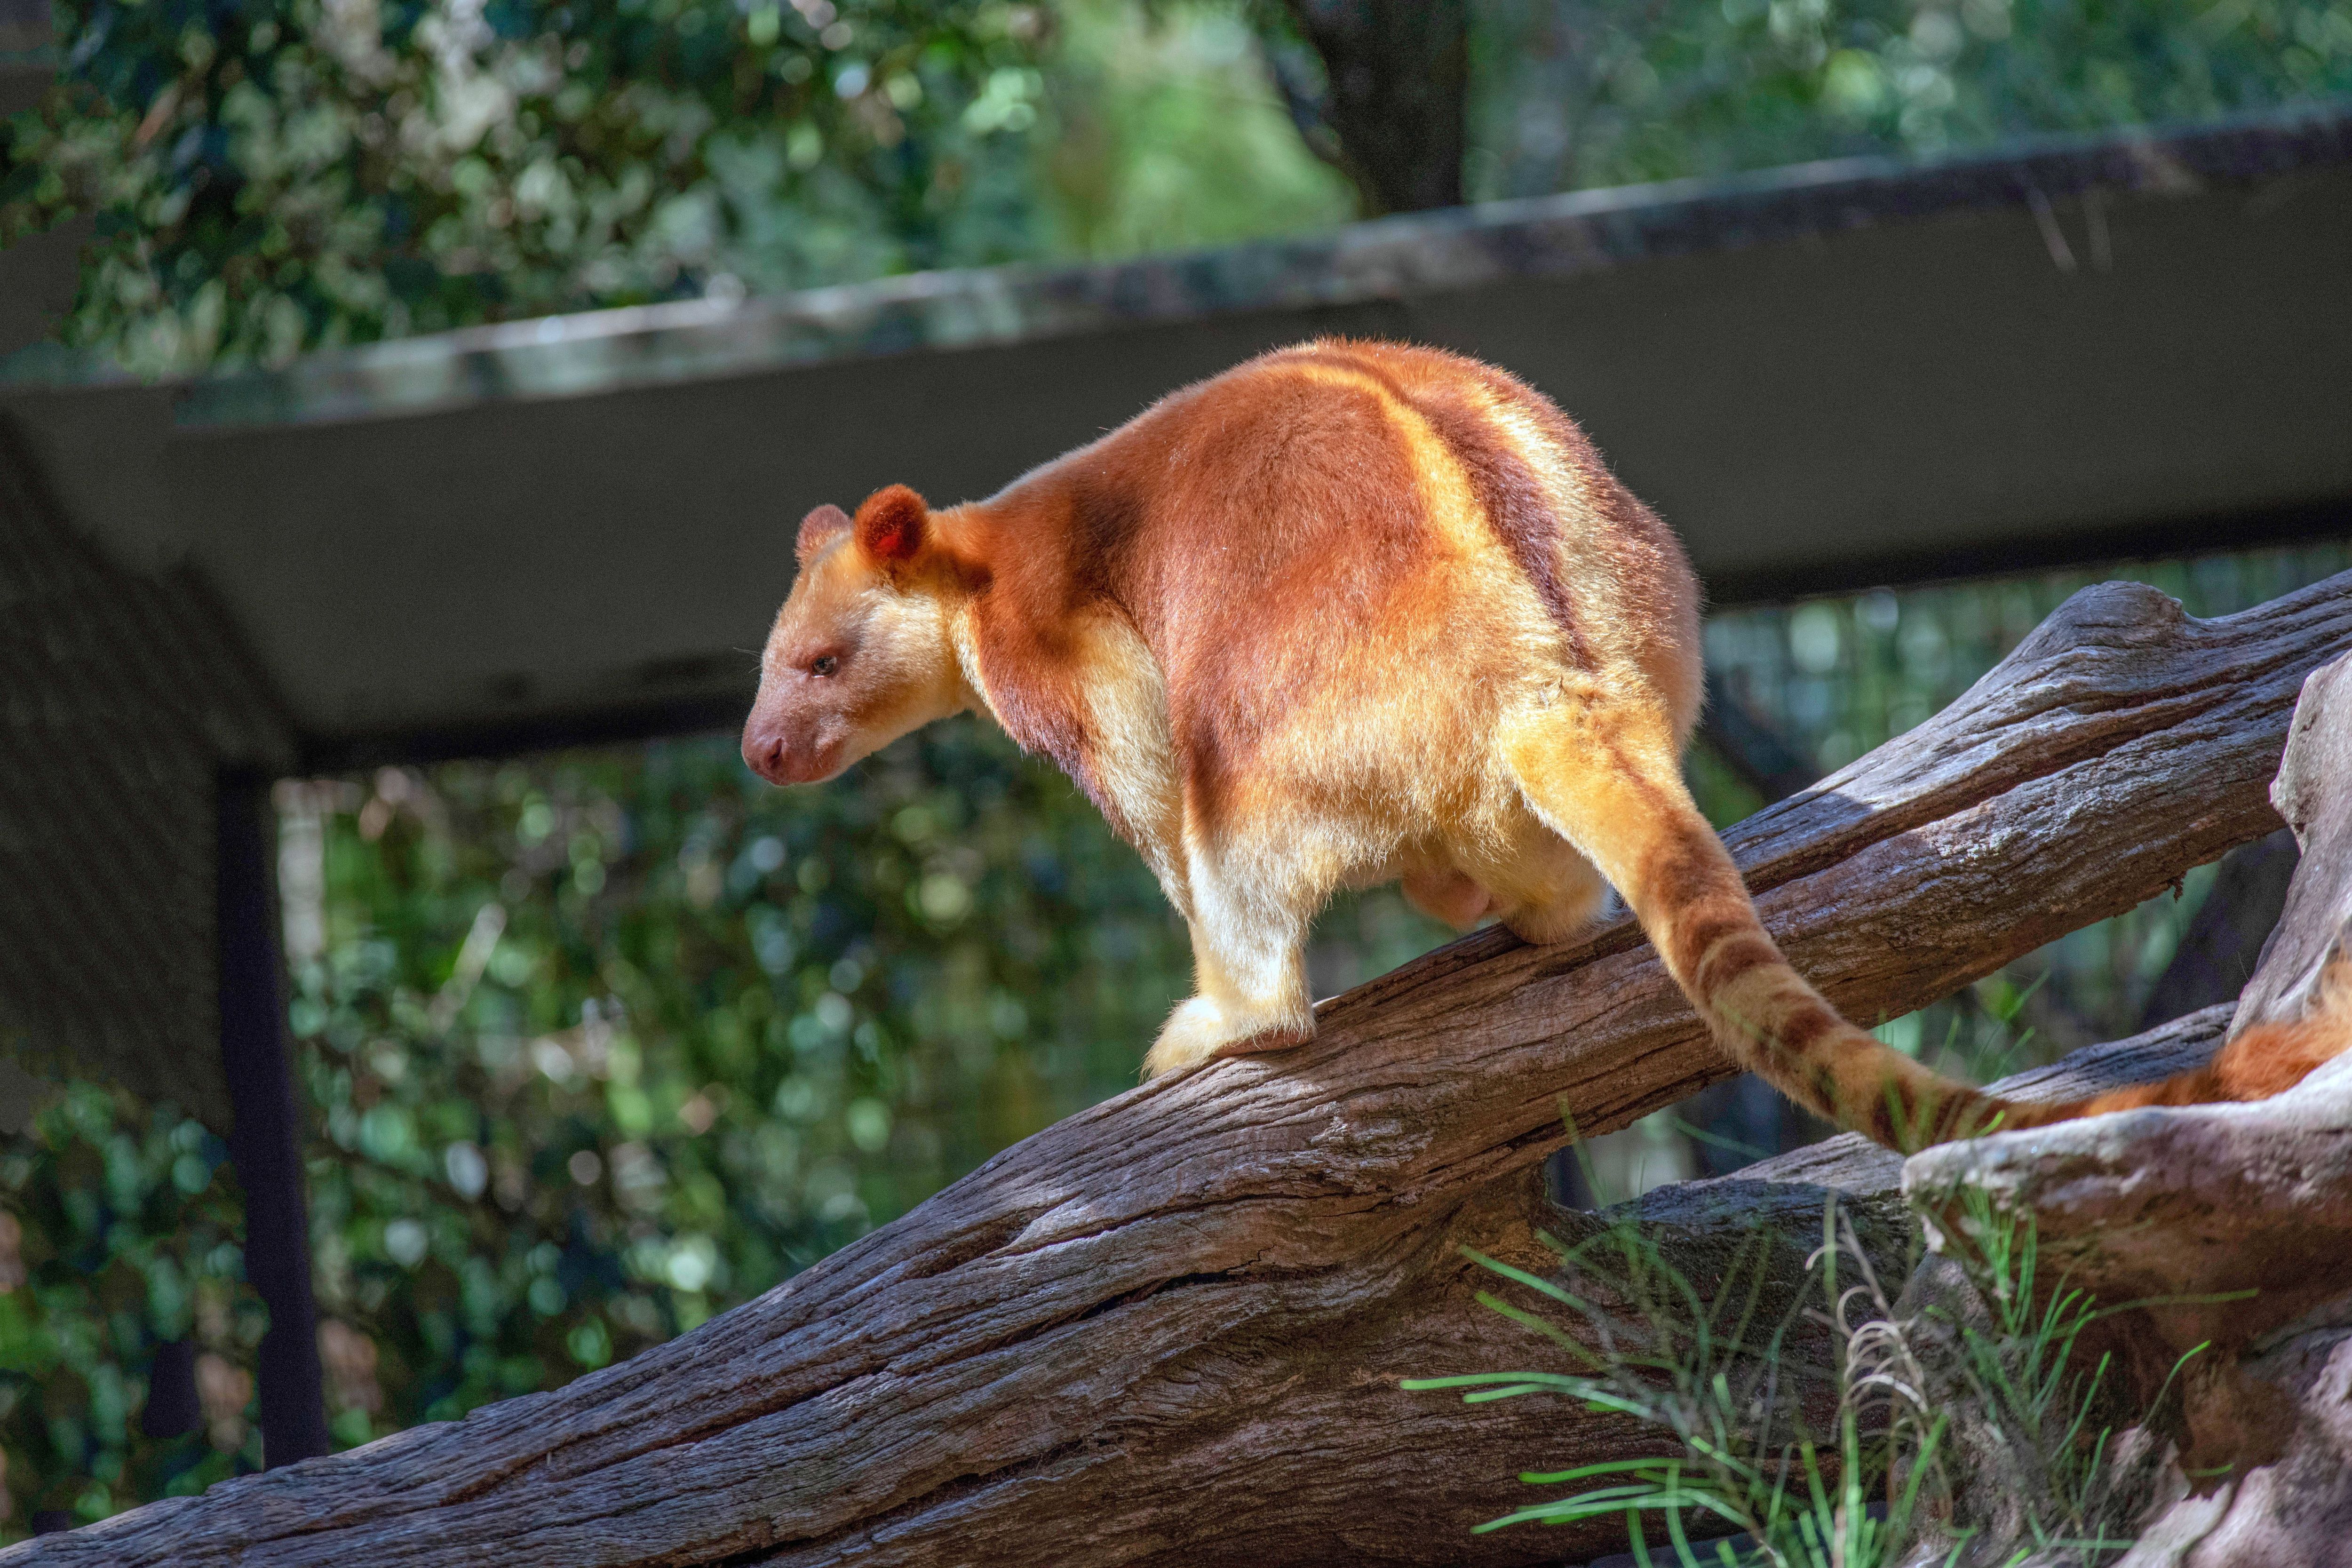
1347, 613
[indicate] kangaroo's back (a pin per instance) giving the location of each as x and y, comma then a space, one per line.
1301, 525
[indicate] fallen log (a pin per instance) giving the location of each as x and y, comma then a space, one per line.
1171, 1329
2232, 1222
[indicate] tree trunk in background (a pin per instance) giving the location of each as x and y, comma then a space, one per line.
266, 1140
1747, 742
1392, 109
2218, 953
1171, 1329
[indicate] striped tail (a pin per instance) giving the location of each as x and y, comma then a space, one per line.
1697, 911
1623, 803
1615, 791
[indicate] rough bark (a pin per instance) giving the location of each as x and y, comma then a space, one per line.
1171, 1329
2188, 1209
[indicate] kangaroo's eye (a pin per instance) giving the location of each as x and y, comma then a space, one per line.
824, 664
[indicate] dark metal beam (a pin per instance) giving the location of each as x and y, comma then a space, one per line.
266, 1144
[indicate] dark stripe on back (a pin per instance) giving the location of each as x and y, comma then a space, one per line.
1514, 505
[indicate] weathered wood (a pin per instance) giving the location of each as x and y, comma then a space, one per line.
2314, 792
1170, 1328
2212, 1198
2180, 1208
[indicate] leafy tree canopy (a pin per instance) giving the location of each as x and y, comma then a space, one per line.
280, 176
1570, 93
293, 174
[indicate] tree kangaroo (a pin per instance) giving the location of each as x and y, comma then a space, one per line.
1348, 614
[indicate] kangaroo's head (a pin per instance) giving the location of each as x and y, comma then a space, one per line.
861, 652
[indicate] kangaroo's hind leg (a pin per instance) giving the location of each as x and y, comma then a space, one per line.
1538, 885
1606, 775
1249, 914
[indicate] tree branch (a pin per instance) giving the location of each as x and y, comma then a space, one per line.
1170, 1328
2229, 1224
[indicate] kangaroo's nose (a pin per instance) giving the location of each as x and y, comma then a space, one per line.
763, 753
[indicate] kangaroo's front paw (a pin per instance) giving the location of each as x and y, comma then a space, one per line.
1200, 1029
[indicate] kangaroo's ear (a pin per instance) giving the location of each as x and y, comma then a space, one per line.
892, 524
817, 530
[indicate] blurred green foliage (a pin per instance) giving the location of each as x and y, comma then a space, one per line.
280, 175
120, 1230
1571, 93
600, 1042
277, 177
1164, 131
